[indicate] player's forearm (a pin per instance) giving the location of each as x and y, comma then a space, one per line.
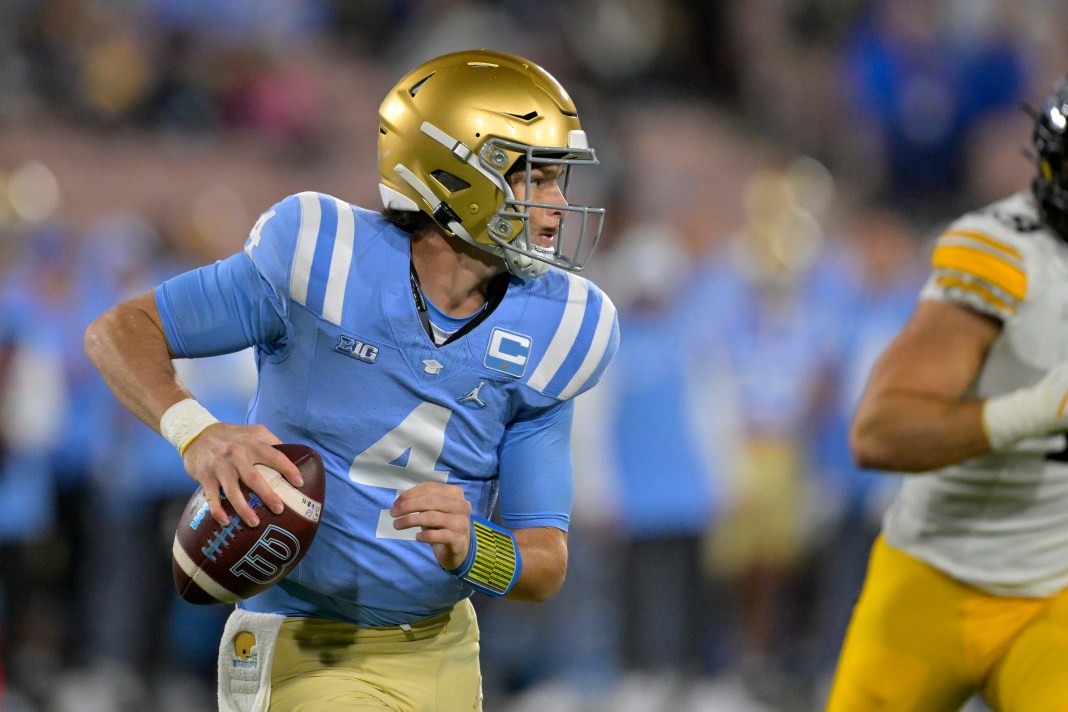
127, 346
914, 433
544, 551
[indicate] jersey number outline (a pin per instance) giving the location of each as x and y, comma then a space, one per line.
420, 436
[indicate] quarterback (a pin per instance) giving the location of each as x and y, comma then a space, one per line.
430, 352
967, 586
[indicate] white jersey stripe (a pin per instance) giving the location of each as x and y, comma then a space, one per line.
566, 333
340, 262
601, 335
998, 253
310, 218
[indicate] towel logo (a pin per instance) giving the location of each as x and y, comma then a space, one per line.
245, 653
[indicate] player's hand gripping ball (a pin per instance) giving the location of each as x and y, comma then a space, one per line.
223, 564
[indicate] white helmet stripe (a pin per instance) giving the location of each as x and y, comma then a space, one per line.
469, 158
458, 148
420, 187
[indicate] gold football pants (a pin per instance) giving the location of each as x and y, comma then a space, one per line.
324, 665
920, 641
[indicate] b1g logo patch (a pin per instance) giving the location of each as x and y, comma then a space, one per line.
357, 349
508, 352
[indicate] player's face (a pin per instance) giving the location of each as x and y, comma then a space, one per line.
544, 223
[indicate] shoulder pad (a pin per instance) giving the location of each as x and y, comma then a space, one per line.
303, 247
980, 260
583, 343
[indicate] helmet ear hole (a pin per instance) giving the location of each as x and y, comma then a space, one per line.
450, 182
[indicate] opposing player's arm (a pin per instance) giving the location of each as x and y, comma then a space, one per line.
913, 416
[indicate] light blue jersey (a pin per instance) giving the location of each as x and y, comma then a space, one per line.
345, 365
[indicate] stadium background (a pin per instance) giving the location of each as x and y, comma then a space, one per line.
773, 171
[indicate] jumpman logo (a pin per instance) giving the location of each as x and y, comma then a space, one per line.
473, 396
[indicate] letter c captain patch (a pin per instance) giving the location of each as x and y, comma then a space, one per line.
508, 352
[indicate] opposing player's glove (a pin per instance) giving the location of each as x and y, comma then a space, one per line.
1028, 412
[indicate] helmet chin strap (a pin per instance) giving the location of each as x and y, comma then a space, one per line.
523, 266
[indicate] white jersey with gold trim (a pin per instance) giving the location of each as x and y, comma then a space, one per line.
998, 522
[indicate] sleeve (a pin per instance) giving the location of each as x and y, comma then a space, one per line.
274, 241
603, 346
536, 485
220, 308
244, 300
303, 247
584, 342
975, 268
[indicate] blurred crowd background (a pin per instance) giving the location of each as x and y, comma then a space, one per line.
773, 170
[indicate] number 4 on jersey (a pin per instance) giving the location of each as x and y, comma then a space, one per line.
256, 235
402, 458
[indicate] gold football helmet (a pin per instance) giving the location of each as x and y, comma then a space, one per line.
450, 133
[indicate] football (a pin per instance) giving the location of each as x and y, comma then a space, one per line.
223, 564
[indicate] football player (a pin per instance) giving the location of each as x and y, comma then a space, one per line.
430, 352
966, 586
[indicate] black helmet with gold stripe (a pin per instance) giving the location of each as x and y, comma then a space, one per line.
1050, 137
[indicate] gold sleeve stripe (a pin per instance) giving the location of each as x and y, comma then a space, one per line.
982, 292
986, 240
1007, 277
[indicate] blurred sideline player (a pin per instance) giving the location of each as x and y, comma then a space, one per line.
430, 353
769, 292
966, 587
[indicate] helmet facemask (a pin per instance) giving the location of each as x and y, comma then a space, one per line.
510, 225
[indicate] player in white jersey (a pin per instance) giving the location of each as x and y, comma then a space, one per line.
430, 353
967, 587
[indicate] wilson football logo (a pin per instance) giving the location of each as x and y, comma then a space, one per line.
269, 556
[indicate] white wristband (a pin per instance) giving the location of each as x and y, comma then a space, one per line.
183, 422
1013, 416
